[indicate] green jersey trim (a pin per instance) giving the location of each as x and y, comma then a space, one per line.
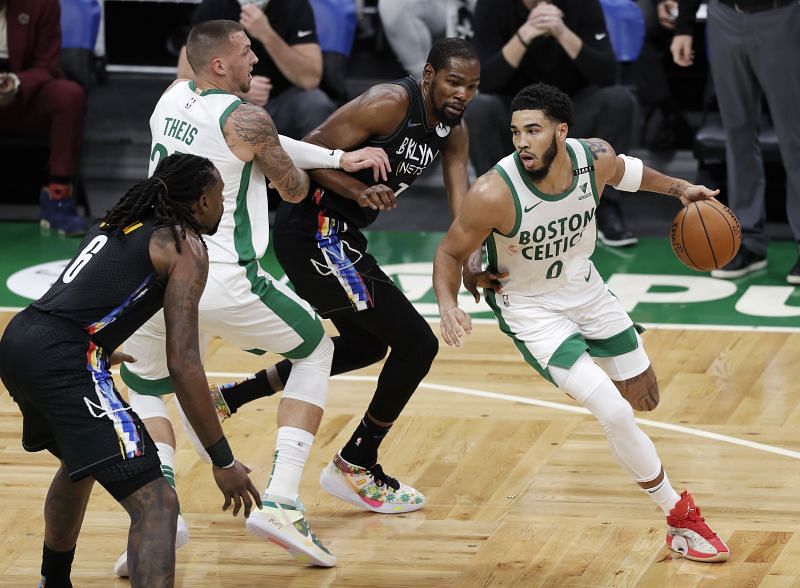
242, 235
140, 385
590, 162
618, 344
193, 87
517, 206
548, 197
224, 116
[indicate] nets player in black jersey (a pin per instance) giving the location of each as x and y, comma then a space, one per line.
55, 357
321, 247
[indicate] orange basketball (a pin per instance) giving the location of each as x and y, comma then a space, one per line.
705, 235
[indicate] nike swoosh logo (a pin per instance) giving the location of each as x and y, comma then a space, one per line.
529, 208
302, 34
589, 275
600, 36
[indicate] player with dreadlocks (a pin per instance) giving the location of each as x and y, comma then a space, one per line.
55, 356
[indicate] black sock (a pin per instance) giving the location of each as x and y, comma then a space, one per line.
243, 392
362, 449
56, 567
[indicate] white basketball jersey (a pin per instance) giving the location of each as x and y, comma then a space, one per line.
187, 120
554, 234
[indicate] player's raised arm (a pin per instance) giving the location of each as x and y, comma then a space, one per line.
252, 135
629, 174
487, 205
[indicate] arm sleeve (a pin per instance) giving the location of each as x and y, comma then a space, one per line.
687, 14
44, 65
307, 156
494, 25
596, 60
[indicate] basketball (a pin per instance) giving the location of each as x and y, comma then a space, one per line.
705, 235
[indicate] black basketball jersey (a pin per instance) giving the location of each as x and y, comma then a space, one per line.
412, 148
110, 288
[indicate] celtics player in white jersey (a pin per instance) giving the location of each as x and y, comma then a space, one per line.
536, 211
242, 303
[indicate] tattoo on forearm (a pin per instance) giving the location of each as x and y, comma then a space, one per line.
597, 147
253, 126
675, 189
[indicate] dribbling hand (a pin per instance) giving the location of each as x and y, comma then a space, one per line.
237, 488
455, 323
694, 192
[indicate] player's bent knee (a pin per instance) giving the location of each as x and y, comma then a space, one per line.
641, 391
147, 406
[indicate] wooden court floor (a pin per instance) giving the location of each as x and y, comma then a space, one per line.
521, 488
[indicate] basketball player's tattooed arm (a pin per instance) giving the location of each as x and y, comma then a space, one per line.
186, 274
640, 391
249, 131
378, 112
610, 168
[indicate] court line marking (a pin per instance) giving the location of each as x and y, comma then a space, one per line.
653, 326
559, 406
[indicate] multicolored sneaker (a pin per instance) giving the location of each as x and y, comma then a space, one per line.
218, 400
284, 523
181, 539
369, 488
689, 535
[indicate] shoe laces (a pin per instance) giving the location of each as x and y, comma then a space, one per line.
697, 523
383, 479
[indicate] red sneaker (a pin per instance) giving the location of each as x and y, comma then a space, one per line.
689, 535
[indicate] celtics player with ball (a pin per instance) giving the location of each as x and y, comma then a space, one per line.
536, 212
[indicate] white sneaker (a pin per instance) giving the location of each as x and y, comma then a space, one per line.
283, 522
181, 539
370, 489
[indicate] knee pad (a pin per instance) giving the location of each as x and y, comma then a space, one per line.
147, 406
308, 380
580, 380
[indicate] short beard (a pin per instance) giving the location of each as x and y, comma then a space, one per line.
442, 117
548, 156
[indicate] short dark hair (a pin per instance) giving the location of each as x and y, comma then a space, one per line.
207, 39
555, 104
444, 50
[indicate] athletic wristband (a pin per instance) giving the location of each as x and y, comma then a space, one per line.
221, 454
337, 158
521, 40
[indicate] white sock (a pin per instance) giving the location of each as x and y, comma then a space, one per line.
166, 454
664, 495
291, 453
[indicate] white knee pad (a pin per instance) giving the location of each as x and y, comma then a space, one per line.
592, 387
580, 380
308, 380
147, 406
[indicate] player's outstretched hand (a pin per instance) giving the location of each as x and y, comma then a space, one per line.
475, 281
378, 197
693, 193
368, 157
454, 324
237, 488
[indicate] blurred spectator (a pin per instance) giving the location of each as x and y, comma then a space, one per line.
289, 69
754, 52
665, 126
413, 25
565, 44
35, 99
336, 31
